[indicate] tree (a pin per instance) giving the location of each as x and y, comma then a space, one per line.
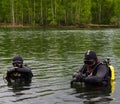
116, 17
101, 11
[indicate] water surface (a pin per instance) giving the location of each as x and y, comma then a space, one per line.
53, 56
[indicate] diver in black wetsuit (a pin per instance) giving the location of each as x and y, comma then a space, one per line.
20, 73
92, 72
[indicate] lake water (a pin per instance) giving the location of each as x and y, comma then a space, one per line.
53, 56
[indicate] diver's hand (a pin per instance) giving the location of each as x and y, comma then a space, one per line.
78, 77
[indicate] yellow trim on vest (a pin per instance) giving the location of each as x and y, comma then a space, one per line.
16, 74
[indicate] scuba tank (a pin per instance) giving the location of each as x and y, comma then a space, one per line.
112, 75
112, 72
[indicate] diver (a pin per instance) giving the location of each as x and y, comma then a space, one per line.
93, 72
20, 73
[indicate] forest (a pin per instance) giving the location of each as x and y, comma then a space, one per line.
59, 12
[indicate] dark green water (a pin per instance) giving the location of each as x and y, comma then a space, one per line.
53, 56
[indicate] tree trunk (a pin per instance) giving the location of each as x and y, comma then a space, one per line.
12, 10
52, 8
99, 12
41, 13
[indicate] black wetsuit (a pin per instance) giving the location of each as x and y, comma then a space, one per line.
100, 74
21, 75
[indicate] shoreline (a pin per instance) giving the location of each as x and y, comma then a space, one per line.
59, 26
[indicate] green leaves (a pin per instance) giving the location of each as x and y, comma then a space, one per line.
59, 12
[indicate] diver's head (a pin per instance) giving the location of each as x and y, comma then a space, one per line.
90, 58
17, 61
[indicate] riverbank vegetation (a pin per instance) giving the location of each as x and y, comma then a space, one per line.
78, 13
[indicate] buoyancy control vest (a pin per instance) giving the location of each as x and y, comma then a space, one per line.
111, 71
110, 75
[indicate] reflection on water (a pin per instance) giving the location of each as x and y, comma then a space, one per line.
93, 95
53, 56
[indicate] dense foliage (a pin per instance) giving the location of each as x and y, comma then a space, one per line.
59, 12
